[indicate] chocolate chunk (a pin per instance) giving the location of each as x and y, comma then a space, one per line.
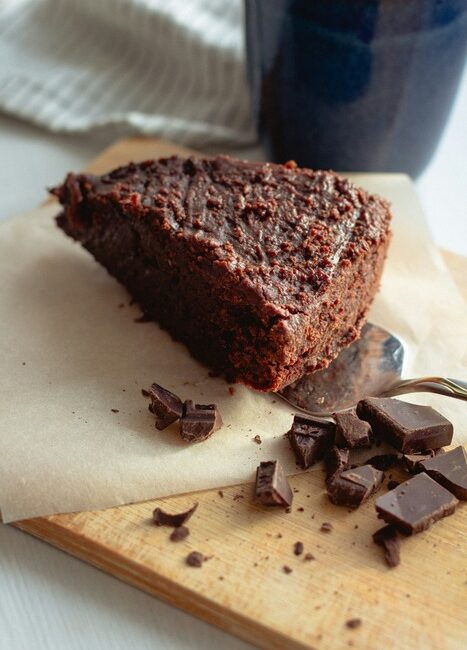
166, 406
286, 569
337, 461
199, 421
298, 548
449, 470
383, 461
257, 439
407, 427
416, 504
412, 462
388, 537
162, 518
310, 439
195, 559
272, 487
353, 486
326, 527
351, 431
353, 623
179, 534
308, 557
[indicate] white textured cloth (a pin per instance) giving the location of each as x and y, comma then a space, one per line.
166, 67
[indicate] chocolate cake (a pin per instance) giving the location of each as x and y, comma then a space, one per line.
264, 271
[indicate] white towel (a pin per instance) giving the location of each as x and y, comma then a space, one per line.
166, 67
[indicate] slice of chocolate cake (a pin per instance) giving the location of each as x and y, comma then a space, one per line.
264, 271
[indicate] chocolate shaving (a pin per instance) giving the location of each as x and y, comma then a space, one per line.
388, 537
162, 518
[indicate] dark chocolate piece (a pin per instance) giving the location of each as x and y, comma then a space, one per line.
415, 505
383, 461
195, 559
286, 569
243, 262
351, 431
272, 487
310, 439
388, 537
449, 470
411, 462
298, 548
326, 527
353, 486
257, 439
179, 534
337, 461
407, 427
353, 623
308, 557
199, 421
166, 406
162, 518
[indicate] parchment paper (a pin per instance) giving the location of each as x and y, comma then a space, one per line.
71, 352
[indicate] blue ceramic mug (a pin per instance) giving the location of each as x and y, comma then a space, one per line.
354, 85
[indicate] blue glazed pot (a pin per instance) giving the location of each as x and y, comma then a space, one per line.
354, 85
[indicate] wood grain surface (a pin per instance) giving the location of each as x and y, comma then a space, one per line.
243, 588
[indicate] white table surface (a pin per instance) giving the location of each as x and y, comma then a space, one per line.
49, 600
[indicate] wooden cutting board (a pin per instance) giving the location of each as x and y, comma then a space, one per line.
243, 587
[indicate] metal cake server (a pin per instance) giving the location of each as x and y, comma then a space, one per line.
371, 366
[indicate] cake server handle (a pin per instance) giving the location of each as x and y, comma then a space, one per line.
441, 385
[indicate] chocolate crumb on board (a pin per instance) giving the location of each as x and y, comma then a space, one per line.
301, 509
272, 487
298, 548
353, 623
162, 518
388, 537
195, 559
232, 390
115, 410
144, 392
199, 421
308, 557
178, 534
257, 439
326, 527
392, 484
286, 569
220, 493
